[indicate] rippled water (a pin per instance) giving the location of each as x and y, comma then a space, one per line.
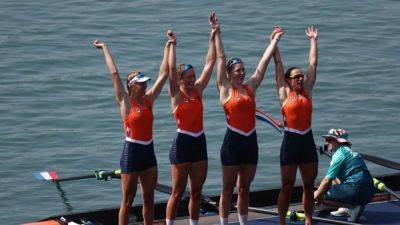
57, 104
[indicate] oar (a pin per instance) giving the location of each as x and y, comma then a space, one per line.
98, 174
380, 161
374, 159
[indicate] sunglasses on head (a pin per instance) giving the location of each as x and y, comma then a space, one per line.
234, 61
186, 68
135, 79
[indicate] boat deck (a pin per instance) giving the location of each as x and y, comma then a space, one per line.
386, 212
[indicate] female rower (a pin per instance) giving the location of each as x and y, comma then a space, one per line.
188, 155
138, 161
298, 147
239, 151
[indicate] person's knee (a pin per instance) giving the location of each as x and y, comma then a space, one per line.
227, 191
287, 185
127, 199
243, 190
177, 192
195, 193
308, 185
148, 197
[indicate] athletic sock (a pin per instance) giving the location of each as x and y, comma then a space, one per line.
224, 221
242, 219
194, 222
169, 222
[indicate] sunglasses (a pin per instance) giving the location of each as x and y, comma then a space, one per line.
297, 76
329, 139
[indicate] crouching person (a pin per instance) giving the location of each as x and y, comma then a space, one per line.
348, 183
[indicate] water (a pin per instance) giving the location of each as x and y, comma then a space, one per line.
57, 104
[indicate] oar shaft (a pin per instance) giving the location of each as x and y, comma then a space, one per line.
381, 161
390, 191
76, 178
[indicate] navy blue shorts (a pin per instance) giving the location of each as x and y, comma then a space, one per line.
238, 149
350, 193
137, 157
298, 149
186, 148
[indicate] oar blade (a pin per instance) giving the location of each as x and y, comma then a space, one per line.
44, 175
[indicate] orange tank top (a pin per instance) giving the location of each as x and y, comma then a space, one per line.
240, 112
297, 112
139, 123
189, 115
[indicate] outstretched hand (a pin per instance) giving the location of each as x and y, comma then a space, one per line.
312, 32
171, 37
276, 33
98, 44
212, 19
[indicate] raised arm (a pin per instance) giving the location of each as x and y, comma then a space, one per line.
205, 76
173, 77
120, 94
312, 34
258, 76
279, 77
222, 79
154, 92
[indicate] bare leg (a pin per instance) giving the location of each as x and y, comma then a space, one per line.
128, 187
308, 173
246, 176
288, 178
197, 177
148, 182
229, 178
179, 181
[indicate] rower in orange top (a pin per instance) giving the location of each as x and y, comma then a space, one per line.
188, 155
239, 151
298, 147
138, 161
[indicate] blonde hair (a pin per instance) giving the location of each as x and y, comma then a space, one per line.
130, 76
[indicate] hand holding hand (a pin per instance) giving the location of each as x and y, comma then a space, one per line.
98, 44
212, 19
312, 32
276, 33
171, 37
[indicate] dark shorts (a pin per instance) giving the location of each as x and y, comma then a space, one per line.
238, 149
298, 149
137, 157
186, 148
350, 193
